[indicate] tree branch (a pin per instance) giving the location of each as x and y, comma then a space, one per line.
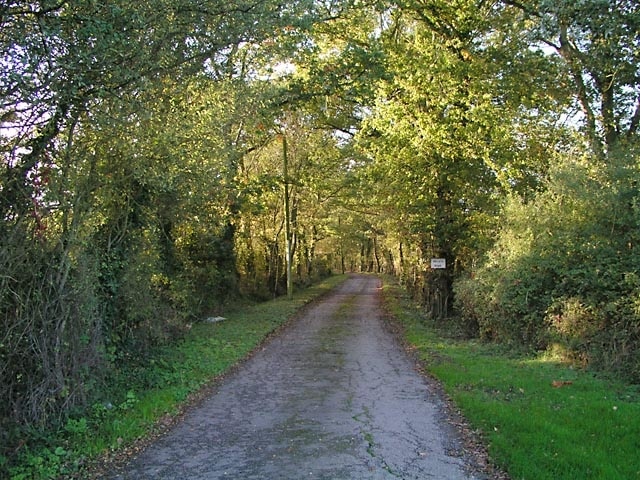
522, 6
14, 12
635, 120
569, 53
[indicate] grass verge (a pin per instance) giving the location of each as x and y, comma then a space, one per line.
539, 418
145, 395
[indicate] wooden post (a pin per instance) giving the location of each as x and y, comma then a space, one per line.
287, 219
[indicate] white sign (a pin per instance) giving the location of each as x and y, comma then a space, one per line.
438, 263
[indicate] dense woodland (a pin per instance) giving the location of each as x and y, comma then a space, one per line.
162, 159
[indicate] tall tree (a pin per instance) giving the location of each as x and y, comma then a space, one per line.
451, 132
599, 44
87, 166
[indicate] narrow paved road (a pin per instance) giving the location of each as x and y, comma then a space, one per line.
333, 397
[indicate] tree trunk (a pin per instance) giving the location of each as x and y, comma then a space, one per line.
287, 220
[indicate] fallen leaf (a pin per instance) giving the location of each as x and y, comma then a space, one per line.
561, 383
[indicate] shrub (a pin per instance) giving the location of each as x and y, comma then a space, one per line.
563, 268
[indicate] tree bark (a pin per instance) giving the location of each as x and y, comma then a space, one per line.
287, 221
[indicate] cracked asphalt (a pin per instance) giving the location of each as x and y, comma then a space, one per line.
334, 396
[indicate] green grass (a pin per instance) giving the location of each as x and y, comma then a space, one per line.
144, 391
588, 429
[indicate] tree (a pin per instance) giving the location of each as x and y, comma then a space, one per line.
427, 142
599, 45
92, 189
308, 189
561, 271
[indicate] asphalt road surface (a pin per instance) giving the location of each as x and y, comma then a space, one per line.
334, 396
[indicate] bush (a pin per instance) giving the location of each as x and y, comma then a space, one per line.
562, 271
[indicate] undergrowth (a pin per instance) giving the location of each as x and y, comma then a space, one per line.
144, 390
540, 418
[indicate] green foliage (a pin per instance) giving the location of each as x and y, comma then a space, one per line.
539, 418
597, 44
143, 390
316, 186
119, 150
563, 269
141, 185
435, 144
